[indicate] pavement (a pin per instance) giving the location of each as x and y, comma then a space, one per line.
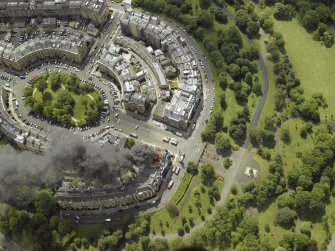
331, 245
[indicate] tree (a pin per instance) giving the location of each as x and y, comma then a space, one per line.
256, 136
29, 30
200, 33
41, 85
285, 135
208, 134
234, 71
285, 216
55, 82
242, 19
327, 39
305, 228
248, 78
217, 120
158, 245
222, 99
110, 242
36, 221
309, 110
172, 210
207, 174
192, 168
223, 80
311, 20
205, 19
186, 7
324, 13
220, 16
252, 28
47, 96
45, 203
227, 163
232, 35
130, 143
322, 28
301, 241
204, 4
222, 142
283, 11
37, 107
133, 247
14, 224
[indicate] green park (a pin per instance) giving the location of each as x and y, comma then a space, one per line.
62, 97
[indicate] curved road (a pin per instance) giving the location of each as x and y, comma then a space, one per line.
265, 77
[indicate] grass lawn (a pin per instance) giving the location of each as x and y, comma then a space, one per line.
182, 188
161, 221
277, 232
264, 166
79, 108
313, 64
268, 217
298, 144
91, 231
196, 213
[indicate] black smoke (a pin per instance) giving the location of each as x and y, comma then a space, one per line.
23, 171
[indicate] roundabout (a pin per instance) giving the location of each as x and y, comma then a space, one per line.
63, 98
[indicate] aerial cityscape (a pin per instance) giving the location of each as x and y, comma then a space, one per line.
153, 125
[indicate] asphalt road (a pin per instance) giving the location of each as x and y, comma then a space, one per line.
331, 245
265, 87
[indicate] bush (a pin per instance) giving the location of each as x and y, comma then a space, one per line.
286, 136
181, 231
285, 217
172, 210
192, 168
227, 163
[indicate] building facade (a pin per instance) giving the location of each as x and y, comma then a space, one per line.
39, 49
95, 10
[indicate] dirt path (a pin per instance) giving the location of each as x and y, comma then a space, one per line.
90, 96
34, 92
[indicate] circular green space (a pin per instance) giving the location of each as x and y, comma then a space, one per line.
63, 98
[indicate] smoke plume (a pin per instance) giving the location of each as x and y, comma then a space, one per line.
23, 169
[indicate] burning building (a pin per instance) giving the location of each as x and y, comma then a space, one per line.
137, 185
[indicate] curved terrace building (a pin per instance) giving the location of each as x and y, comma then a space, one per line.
39, 49
166, 41
94, 10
